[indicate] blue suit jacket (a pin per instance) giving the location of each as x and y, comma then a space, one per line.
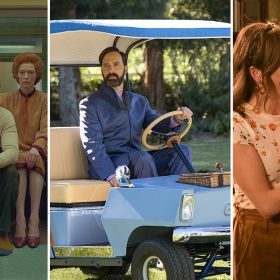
110, 130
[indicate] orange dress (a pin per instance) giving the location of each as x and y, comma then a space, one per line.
31, 118
262, 131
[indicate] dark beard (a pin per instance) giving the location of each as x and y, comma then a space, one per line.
114, 83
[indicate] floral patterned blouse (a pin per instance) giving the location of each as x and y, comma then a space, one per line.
262, 131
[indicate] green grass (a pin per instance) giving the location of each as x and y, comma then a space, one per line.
219, 277
75, 273
205, 156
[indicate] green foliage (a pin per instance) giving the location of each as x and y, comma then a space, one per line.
91, 79
54, 99
218, 10
199, 77
109, 9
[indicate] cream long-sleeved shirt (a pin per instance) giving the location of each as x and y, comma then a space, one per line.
8, 139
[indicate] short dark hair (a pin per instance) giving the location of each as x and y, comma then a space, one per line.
112, 49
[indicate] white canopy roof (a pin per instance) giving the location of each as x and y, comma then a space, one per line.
79, 42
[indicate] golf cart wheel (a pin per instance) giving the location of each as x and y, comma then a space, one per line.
163, 259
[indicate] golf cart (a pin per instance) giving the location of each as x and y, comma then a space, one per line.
155, 224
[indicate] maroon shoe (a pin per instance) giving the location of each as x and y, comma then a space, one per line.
33, 241
19, 242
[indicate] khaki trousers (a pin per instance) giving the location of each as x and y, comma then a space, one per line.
256, 246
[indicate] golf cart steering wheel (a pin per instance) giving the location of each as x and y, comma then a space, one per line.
169, 137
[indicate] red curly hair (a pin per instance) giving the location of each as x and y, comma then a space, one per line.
28, 57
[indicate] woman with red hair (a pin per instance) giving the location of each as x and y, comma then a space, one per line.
29, 107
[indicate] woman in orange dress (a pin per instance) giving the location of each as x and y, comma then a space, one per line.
29, 107
256, 152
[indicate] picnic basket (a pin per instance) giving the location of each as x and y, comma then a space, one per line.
209, 179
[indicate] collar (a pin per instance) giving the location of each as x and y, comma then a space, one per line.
119, 93
27, 95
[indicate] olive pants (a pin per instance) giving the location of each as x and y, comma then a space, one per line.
256, 246
9, 182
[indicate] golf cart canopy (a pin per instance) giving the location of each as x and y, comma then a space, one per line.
79, 42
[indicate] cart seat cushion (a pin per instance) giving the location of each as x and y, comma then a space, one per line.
78, 191
67, 158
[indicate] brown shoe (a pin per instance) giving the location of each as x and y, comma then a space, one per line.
6, 248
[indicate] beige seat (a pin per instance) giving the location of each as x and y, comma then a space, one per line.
69, 171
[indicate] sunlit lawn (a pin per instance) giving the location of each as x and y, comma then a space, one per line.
205, 156
75, 273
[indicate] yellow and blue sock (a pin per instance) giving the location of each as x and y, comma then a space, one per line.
6, 248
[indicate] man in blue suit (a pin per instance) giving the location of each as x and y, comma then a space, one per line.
111, 124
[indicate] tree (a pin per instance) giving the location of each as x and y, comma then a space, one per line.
153, 84
68, 86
